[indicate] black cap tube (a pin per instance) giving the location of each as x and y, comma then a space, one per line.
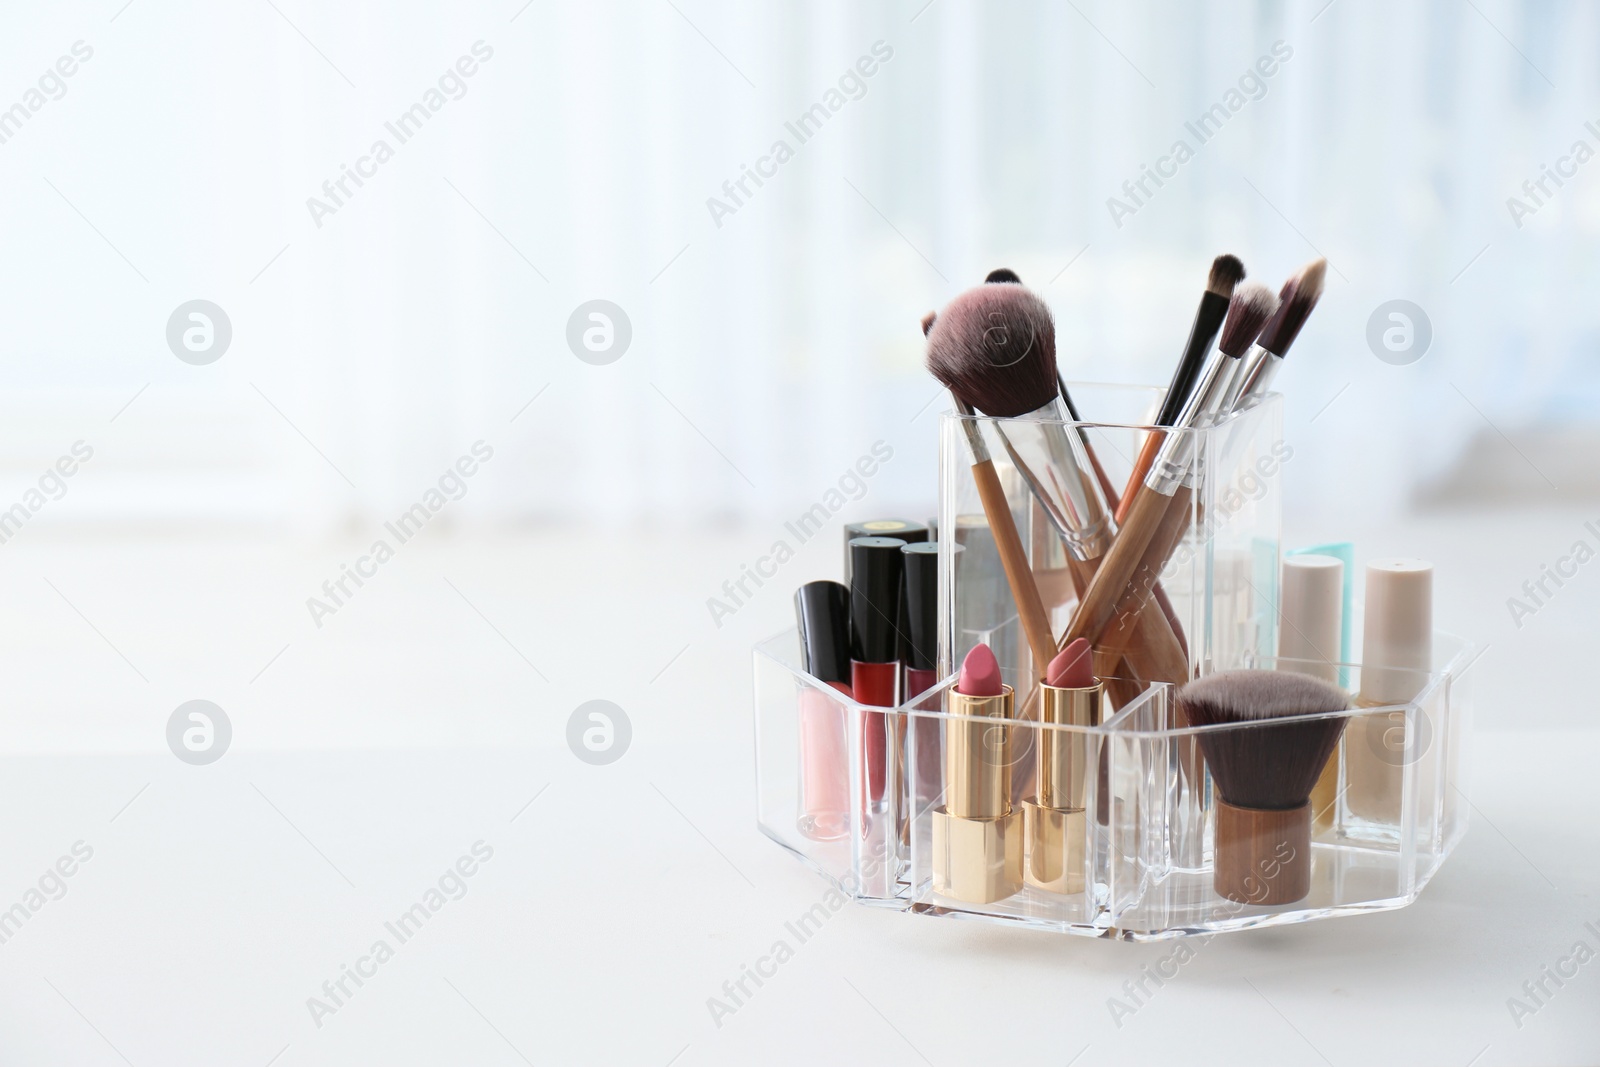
876, 572
822, 610
903, 529
922, 604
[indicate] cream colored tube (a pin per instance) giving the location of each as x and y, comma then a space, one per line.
1309, 634
1396, 658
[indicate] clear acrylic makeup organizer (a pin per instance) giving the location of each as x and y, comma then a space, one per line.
1148, 848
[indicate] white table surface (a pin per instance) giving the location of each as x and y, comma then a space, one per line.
374, 752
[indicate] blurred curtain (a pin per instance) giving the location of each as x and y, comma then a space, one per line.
771, 346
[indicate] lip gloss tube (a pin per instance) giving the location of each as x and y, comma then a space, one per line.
922, 651
822, 610
877, 573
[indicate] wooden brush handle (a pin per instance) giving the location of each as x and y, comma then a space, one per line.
1141, 468
1124, 630
1116, 504
1030, 608
1117, 568
1156, 656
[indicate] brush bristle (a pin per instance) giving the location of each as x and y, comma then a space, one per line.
1271, 767
1300, 295
995, 348
1226, 272
927, 322
1249, 309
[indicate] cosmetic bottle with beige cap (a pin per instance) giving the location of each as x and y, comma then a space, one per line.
1397, 655
1309, 636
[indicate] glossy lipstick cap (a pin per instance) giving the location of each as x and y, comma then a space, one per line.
877, 571
822, 611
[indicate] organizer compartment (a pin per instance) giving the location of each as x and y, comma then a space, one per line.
1144, 858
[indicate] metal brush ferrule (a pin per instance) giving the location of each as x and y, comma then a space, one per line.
1055, 466
1249, 385
1256, 377
974, 432
1236, 382
1177, 448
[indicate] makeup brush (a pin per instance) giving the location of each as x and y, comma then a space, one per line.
994, 348
1037, 400
1004, 275
1164, 487
1253, 377
1120, 694
1114, 504
1300, 295
1226, 273
1003, 527
1264, 770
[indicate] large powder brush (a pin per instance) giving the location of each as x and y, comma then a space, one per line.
1000, 326
1264, 771
994, 348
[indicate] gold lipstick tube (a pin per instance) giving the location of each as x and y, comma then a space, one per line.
1055, 828
977, 842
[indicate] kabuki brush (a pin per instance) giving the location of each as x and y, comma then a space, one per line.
1263, 771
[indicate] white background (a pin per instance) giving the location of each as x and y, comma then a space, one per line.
768, 353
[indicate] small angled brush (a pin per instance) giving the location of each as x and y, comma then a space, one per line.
1226, 274
1296, 302
1264, 771
1251, 379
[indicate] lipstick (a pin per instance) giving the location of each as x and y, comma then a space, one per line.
822, 610
877, 572
1053, 820
977, 844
